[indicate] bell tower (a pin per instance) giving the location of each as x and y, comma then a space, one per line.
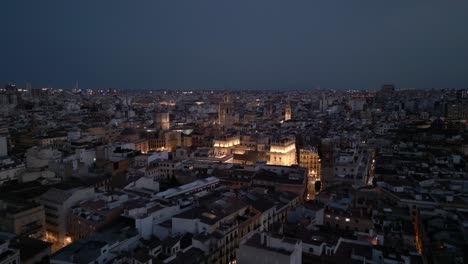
225, 112
287, 112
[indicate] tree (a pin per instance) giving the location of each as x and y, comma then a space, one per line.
318, 186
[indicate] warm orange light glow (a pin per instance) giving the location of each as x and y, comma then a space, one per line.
165, 103
67, 240
50, 237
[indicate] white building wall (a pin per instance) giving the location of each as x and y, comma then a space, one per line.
87, 156
312, 249
183, 226
161, 155
145, 226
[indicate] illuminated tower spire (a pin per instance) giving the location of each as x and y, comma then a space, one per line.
287, 112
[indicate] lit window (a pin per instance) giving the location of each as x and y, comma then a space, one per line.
347, 220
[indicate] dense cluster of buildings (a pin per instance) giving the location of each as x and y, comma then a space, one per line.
107, 176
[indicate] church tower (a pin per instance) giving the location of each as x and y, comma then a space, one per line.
161, 120
225, 113
287, 112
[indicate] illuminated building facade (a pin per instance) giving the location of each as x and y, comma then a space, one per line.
283, 152
142, 146
224, 146
156, 144
309, 159
161, 120
172, 139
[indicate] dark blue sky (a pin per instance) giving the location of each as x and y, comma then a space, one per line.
163, 44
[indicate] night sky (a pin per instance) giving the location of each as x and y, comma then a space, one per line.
236, 44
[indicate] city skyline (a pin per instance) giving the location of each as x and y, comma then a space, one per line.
234, 132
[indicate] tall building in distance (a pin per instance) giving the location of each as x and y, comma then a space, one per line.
283, 152
387, 91
161, 120
327, 166
457, 110
309, 159
287, 112
225, 113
